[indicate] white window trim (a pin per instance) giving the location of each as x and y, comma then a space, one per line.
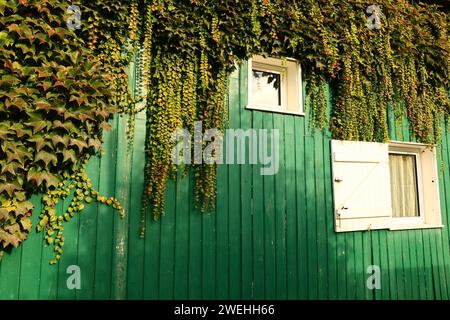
414, 148
402, 222
275, 65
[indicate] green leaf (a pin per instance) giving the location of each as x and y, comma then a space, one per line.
38, 125
24, 207
80, 144
69, 155
95, 143
46, 157
4, 213
60, 140
67, 126
9, 188
10, 167
39, 141
26, 224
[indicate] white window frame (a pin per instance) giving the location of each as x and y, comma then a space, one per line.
291, 84
427, 219
401, 222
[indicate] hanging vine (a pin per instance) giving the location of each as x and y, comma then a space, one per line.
370, 70
60, 87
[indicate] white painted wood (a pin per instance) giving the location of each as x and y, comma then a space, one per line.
361, 185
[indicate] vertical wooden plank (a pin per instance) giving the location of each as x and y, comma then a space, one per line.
322, 271
392, 265
368, 260
152, 259
195, 246
182, 237
406, 264
10, 274
444, 189
420, 265
435, 265
258, 212
167, 246
341, 257
136, 245
152, 252
350, 265
331, 238
208, 261
246, 190
68, 258
269, 221
359, 268
300, 177
442, 235
291, 210
280, 212
378, 250
222, 260
445, 211
234, 207
87, 237
415, 282
443, 267
105, 216
400, 272
428, 266
49, 274
123, 174
384, 266
311, 216
31, 258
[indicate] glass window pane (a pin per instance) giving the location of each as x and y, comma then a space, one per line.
405, 199
266, 88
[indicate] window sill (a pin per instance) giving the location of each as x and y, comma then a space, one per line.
416, 226
274, 110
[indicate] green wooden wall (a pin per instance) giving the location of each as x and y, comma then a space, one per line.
271, 237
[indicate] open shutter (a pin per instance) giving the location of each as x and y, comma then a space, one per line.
430, 187
361, 185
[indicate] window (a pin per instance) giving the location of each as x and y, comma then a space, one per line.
274, 85
266, 88
404, 185
385, 186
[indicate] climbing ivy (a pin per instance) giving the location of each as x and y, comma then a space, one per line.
59, 87
192, 46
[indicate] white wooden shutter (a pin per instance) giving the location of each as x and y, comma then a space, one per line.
361, 185
430, 187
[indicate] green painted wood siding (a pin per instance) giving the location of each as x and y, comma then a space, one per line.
271, 237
